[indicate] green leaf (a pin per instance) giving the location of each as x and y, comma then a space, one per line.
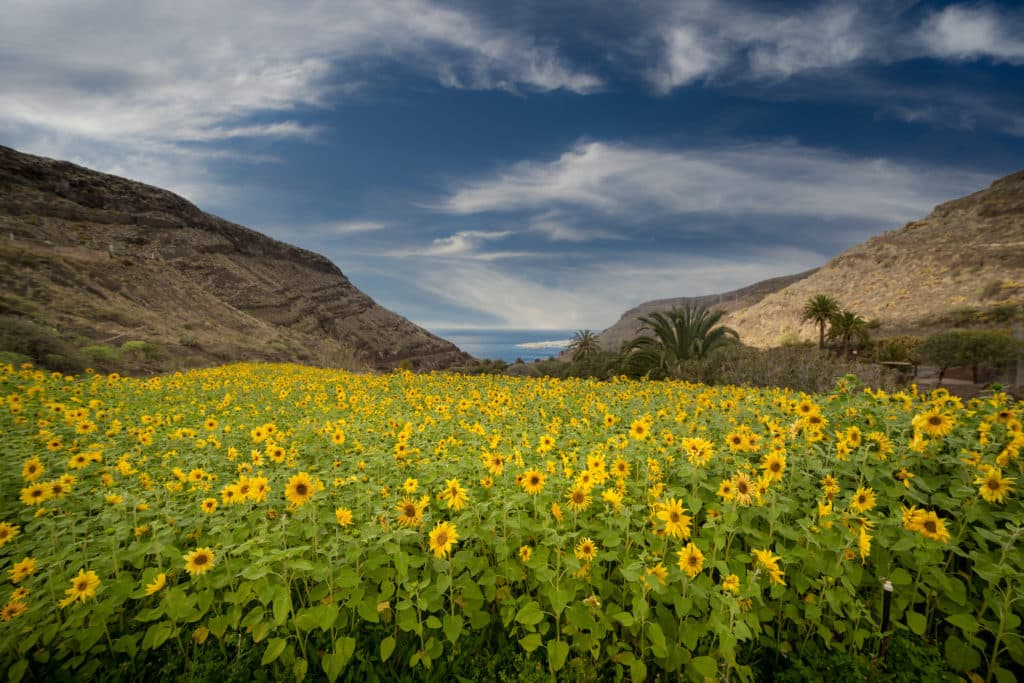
960, 655
624, 618
17, 671
965, 622
558, 650
901, 577
334, 663
299, 669
452, 626
218, 625
705, 666
282, 605
530, 642
917, 622
275, 646
347, 578
530, 614
659, 647
156, 635
387, 646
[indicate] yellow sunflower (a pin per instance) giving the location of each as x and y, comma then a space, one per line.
586, 549
344, 516
157, 585
300, 489
7, 532
12, 610
993, 486
932, 526
199, 561
32, 469
410, 512
579, 498
35, 494
533, 481
83, 587
863, 500
731, 584
442, 538
934, 423
774, 465
677, 523
23, 569
691, 560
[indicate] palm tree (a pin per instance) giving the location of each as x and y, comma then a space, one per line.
583, 344
820, 310
846, 326
677, 336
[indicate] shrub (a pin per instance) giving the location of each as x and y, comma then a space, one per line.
142, 350
41, 343
801, 368
968, 348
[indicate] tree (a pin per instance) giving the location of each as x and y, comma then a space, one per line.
675, 337
846, 326
820, 310
967, 348
583, 344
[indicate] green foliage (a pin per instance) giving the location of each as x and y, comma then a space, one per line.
902, 349
142, 350
846, 327
583, 345
676, 337
801, 368
1002, 313
991, 289
968, 348
41, 343
820, 310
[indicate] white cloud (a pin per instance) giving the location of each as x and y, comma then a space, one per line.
564, 297
973, 31
632, 184
352, 227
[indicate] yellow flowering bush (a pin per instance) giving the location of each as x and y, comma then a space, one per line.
368, 525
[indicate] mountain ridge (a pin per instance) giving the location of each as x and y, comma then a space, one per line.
117, 250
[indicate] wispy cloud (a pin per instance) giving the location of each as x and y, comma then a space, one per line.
634, 183
973, 31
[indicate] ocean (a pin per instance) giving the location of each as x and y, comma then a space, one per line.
508, 345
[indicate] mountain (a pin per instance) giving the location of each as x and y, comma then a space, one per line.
626, 327
962, 265
103, 260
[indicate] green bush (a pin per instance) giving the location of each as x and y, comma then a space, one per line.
41, 343
802, 368
142, 350
968, 349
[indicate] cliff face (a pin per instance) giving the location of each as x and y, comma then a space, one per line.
109, 258
963, 264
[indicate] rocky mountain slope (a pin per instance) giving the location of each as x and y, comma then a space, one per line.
105, 260
962, 265
627, 326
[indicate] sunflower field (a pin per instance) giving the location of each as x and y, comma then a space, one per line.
315, 524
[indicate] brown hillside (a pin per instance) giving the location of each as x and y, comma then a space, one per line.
962, 264
627, 326
106, 260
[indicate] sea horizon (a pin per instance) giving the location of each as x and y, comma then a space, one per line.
508, 345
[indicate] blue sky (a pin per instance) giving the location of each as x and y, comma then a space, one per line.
530, 164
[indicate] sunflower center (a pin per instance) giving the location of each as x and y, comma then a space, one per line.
199, 560
935, 420
674, 516
775, 466
742, 487
410, 511
693, 560
534, 480
993, 484
442, 539
301, 489
929, 526
82, 586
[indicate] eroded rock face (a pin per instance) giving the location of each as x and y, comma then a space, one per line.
104, 255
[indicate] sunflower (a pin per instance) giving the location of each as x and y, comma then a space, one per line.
586, 549
912, 517
934, 423
32, 469
994, 486
299, 490
731, 583
209, 505
7, 532
410, 512
639, 430
79, 461
620, 468
410, 485
880, 445
83, 586
556, 512
525, 553
829, 486
495, 463
677, 522
864, 543
12, 610
442, 538
533, 481
157, 585
613, 498
932, 526
344, 516
20, 570
863, 500
454, 494
744, 488
35, 494
199, 561
659, 571
726, 490
774, 465
691, 560
579, 498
